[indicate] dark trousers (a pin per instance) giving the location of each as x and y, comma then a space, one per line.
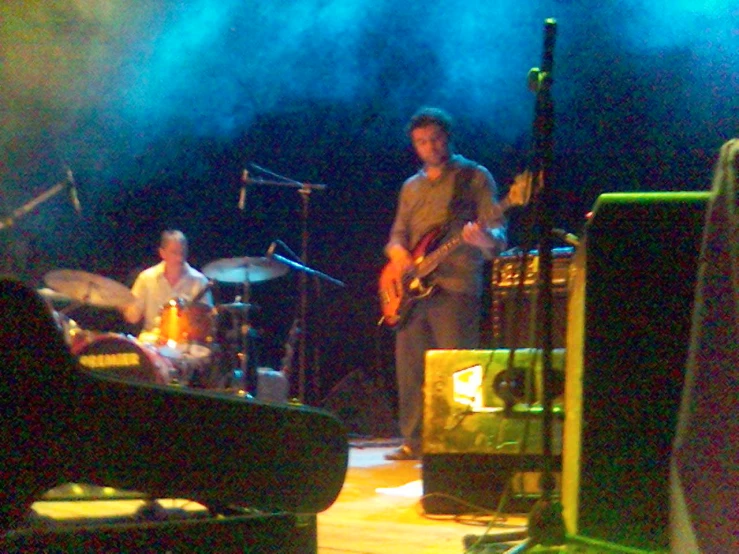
444, 320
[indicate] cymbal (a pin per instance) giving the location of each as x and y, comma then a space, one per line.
244, 270
89, 288
56, 298
236, 307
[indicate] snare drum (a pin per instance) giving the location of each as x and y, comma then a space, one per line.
125, 357
183, 322
192, 362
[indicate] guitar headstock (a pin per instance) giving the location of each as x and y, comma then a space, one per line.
523, 186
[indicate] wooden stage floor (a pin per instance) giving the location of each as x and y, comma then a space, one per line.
379, 512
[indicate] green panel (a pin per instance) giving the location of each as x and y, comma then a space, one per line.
463, 412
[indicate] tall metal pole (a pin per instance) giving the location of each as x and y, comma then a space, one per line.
546, 524
303, 287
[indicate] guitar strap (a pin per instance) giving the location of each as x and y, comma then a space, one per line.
462, 207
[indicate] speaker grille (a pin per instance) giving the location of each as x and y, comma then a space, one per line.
465, 412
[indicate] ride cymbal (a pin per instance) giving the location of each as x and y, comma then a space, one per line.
239, 308
244, 270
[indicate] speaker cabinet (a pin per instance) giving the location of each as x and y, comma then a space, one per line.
472, 446
256, 534
514, 307
631, 296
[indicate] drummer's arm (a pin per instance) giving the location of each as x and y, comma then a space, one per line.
133, 312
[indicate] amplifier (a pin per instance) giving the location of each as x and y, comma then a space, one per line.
629, 318
515, 309
507, 268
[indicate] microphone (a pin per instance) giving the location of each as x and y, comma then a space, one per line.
271, 249
242, 193
73, 192
533, 79
569, 238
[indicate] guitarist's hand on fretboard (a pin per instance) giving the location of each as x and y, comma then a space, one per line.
474, 234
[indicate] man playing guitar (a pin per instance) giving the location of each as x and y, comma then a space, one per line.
447, 216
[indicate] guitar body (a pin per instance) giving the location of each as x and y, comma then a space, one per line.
398, 291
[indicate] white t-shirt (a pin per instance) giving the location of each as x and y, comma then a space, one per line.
153, 291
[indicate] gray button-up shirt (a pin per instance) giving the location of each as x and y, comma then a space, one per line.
424, 206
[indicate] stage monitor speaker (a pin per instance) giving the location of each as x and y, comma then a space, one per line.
472, 445
704, 477
631, 294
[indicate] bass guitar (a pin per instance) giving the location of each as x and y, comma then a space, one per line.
399, 291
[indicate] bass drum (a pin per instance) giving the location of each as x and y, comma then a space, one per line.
123, 356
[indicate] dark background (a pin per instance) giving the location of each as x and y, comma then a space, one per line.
158, 107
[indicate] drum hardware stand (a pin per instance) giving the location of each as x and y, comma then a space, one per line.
304, 189
242, 325
304, 272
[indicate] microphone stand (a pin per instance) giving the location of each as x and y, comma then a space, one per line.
27, 207
304, 189
546, 525
304, 272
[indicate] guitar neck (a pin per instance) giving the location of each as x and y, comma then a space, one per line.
431, 261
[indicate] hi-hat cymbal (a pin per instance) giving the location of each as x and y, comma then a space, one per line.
244, 270
89, 288
239, 308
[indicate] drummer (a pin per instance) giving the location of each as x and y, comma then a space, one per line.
155, 286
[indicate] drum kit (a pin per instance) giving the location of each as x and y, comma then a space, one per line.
187, 346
